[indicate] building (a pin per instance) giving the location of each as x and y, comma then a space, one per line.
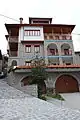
3, 65
0, 62
51, 41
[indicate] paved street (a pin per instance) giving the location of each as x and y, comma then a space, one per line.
15, 105
72, 100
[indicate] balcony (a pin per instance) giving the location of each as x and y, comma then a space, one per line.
53, 61
67, 52
52, 52
49, 36
13, 39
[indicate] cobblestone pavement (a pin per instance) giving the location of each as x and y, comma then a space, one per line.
72, 100
15, 105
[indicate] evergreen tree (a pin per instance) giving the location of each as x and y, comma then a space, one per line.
38, 74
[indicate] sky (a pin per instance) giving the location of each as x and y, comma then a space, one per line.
62, 12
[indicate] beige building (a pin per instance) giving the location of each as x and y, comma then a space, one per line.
50, 41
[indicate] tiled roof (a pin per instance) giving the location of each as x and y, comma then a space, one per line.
64, 66
52, 66
24, 67
9, 26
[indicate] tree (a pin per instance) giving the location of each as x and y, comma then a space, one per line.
38, 74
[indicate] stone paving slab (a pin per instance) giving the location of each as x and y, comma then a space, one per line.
72, 100
15, 105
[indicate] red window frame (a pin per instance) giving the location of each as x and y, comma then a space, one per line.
35, 46
28, 48
28, 62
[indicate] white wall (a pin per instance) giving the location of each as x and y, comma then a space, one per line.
31, 38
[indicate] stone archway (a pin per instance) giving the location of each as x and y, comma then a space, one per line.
25, 81
66, 84
52, 49
66, 49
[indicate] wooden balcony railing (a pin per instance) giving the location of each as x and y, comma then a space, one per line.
48, 36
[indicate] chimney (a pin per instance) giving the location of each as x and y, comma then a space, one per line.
21, 20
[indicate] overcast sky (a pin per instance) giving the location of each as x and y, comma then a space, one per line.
62, 11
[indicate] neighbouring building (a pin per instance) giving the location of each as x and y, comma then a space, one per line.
51, 41
3, 65
0, 62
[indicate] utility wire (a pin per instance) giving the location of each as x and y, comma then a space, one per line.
9, 17
76, 33
19, 21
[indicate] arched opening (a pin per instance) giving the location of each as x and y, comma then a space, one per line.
65, 49
25, 81
14, 63
52, 49
51, 52
66, 84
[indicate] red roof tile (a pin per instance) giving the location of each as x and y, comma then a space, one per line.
52, 66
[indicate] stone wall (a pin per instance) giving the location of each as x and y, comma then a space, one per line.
14, 79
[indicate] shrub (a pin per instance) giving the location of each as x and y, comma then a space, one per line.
56, 96
43, 97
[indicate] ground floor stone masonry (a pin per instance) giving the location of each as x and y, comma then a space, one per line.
59, 81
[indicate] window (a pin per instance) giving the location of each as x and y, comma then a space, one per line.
66, 51
32, 32
28, 63
52, 51
70, 52
36, 48
28, 48
41, 22
14, 63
